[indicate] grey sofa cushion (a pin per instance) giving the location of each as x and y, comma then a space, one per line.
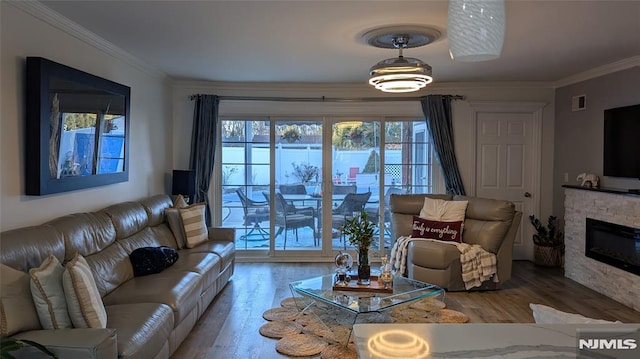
433, 254
225, 250
208, 265
137, 338
178, 289
487, 221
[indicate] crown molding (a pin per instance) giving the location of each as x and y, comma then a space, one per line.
273, 87
599, 71
55, 19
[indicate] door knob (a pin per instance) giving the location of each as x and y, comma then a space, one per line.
527, 194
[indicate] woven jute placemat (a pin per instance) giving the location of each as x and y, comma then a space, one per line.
300, 345
297, 303
341, 334
447, 316
289, 302
339, 351
278, 330
404, 313
318, 329
281, 314
428, 304
305, 320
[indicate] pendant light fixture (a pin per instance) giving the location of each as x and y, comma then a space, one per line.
400, 74
475, 29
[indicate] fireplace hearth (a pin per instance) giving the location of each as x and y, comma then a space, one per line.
613, 244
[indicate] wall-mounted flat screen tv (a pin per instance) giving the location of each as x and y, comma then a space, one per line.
622, 142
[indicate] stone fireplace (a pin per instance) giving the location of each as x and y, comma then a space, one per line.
617, 208
613, 244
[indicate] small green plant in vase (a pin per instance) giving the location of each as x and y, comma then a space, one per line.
359, 230
548, 242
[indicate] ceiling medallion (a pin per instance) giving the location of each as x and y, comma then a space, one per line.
400, 74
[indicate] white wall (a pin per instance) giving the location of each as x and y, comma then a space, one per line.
580, 134
512, 92
24, 33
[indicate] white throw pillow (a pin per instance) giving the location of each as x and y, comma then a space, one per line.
543, 314
17, 312
86, 308
48, 294
443, 211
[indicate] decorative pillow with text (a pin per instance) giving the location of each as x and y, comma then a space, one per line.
444, 231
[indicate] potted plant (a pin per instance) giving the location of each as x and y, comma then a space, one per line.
356, 135
548, 242
305, 172
290, 135
359, 230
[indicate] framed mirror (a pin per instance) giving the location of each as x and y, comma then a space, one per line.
77, 131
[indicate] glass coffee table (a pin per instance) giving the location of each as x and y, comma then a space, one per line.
358, 306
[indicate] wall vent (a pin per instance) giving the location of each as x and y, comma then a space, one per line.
578, 103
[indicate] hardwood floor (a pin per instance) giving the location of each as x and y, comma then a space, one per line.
229, 327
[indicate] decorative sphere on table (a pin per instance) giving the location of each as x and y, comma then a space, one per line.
344, 261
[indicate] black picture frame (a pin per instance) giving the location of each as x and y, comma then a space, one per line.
77, 129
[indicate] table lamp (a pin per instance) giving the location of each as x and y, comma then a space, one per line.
184, 183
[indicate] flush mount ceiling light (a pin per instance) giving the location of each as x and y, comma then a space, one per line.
400, 74
475, 29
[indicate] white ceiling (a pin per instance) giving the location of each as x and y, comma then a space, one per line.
319, 41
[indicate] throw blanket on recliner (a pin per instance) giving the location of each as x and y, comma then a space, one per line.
478, 265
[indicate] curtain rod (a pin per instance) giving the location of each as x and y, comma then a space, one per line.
323, 99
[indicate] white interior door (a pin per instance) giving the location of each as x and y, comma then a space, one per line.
507, 161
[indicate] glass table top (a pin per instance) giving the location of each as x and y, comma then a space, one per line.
405, 290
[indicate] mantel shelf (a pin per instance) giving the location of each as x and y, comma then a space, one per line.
623, 192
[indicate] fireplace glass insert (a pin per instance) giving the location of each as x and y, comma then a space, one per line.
613, 244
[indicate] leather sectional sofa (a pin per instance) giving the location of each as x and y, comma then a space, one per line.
147, 316
490, 223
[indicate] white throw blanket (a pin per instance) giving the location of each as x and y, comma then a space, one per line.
478, 265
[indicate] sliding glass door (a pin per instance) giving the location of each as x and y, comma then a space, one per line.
289, 184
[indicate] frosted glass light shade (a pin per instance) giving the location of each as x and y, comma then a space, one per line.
476, 29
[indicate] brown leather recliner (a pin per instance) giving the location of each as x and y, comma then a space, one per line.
491, 223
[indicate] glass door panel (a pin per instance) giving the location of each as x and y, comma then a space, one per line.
295, 196
245, 175
355, 183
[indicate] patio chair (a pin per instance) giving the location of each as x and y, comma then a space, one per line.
293, 189
374, 212
353, 172
287, 218
296, 189
352, 203
254, 213
344, 189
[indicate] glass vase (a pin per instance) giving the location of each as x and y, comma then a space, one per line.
364, 267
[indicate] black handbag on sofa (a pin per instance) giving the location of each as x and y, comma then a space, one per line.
150, 260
